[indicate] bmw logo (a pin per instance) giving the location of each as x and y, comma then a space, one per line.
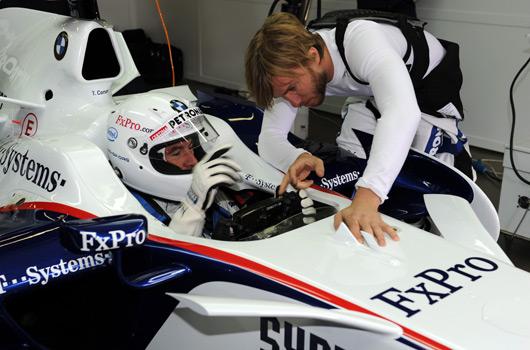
61, 44
177, 105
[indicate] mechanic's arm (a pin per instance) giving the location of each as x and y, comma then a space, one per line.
375, 59
273, 145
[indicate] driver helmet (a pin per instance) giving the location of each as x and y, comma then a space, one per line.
154, 140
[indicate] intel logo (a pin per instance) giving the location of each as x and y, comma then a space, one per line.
112, 134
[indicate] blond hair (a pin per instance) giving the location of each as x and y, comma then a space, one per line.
280, 45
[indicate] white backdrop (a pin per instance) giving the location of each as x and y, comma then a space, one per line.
213, 35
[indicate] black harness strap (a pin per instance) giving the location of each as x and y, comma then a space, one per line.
434, 91
154, 205
415, 39
342, 23
416, 42
373, 109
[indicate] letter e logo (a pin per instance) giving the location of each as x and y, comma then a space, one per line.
29, 125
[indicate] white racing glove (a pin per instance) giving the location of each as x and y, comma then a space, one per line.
214, 169
308, 209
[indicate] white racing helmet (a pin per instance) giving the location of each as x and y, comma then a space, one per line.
154, 140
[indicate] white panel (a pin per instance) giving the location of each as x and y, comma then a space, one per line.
223, 44
109, 9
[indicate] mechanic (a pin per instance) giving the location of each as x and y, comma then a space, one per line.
288, 66
154, 145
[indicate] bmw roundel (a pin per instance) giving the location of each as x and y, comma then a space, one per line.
61, 44
177, 105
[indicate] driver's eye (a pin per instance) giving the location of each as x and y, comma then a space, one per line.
180, 150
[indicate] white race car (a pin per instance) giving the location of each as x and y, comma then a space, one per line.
84, 265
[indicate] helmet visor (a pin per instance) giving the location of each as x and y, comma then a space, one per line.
188, 122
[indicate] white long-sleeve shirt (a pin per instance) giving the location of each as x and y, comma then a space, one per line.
374, 53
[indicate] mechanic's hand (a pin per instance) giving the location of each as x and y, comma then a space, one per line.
214, 169
362, 214
300, 170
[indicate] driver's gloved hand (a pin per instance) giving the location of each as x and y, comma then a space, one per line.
214, 169
298, 201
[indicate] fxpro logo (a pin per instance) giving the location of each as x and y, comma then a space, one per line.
29, 169
129, 123
435, 285
111, 240
339, 180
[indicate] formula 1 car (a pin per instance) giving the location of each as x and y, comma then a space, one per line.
83, 265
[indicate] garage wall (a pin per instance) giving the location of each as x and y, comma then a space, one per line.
213, 35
